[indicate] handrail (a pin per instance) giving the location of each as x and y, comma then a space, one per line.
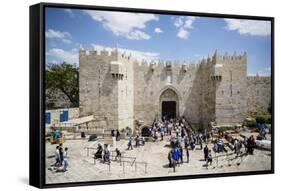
122, 160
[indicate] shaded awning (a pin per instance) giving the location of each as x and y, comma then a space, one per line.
74, 122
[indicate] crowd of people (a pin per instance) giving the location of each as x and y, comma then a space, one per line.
182, 139
181, 136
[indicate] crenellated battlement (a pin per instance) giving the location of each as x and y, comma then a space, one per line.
226, 57
169, 65
96, 53
115, 54
258, 78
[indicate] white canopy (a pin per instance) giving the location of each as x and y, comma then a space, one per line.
75, 122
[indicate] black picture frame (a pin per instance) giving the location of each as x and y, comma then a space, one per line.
37, 95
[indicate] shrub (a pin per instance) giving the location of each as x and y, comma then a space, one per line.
260, 119
268, 119
251, 124
126, 129
226, 128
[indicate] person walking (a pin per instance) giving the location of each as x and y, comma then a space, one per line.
61, 155
162, 132
114, 137
200, 141
181, 153
187, 154
57, 156
130, 144
251, 144
117, 135
206, 152
237, 146
65, 159
118, 155
137, 140
209, 158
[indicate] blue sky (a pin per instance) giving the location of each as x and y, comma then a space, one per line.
154, 36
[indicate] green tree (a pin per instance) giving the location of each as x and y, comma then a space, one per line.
64, 77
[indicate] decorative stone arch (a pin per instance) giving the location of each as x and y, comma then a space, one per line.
172, 88
170, 94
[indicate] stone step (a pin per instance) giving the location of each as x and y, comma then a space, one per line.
106, 141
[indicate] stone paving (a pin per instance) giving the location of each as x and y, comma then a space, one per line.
83, 168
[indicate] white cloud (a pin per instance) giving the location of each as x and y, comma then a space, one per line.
63, 36
184, 24
179, 22
61, 55
249, 27
138, 35
70, 12
183, 33
138, 55
124, 24
158, 30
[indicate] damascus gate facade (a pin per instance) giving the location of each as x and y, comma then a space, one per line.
123, 92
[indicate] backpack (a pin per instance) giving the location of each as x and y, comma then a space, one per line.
175, 154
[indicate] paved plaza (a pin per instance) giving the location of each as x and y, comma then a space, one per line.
83, 167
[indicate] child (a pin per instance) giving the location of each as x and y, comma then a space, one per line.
209, 159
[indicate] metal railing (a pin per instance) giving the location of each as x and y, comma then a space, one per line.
132, 161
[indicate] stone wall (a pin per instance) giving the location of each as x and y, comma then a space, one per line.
73, 113
152, 79
118, 90
258, 94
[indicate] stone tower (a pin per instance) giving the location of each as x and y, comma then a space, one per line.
105, 88
229, 74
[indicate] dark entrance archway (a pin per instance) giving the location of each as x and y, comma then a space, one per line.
145, 132
169, 109
169, 104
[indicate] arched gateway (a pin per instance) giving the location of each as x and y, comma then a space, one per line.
169, 103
